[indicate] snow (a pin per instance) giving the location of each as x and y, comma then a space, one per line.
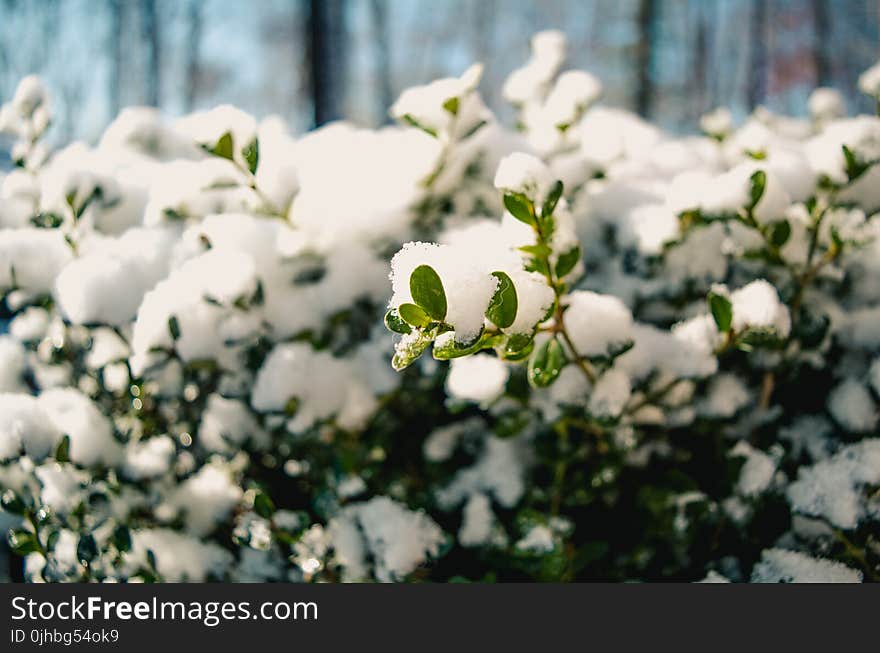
499, 471
781, 566
539, 539
477, 520
206, 498
179, 557
524, 174
851, 405
480, 378
757, 472
323, 385
31, 258
826, 104
832, 488
91, 434
25, 427
610, 394
597, 322
397, 539
727, 394
757, 306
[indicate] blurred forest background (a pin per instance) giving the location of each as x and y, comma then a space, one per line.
316, 60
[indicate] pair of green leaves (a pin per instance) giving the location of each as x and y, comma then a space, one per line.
429, 305
225, 149
523, 209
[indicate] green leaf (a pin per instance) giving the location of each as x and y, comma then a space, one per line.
291, 407
540, 250
121, 538
722, 311
263, 505
414, 315
47, 220
520, 207
12, 503
811, 328
62, 453
174, 327
552, 199
223, 148
759, 337
759, 183
779, 233
395, 323
519, 346
448, 348
854, 167
23, 542
86, 548
546, 363
566, 262
411, 120
539, 265
451, 105
408, 351
251, 154
503, 306
427, 291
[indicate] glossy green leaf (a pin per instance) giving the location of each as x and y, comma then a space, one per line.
518, 347
223, 148
121, 538
409, 350
448, 348
520, 208
539, 250
62, 453
12, 503
552, 199
451, 105
503, 306
263, 505
567, 262
395, 323
174, 327
427, 291
86, 548
779, 233
23, 542
759, 183
413, 315
546, 363
722, 311
251, 155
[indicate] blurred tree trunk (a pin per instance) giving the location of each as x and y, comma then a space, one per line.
326, 36
756, 87
115, 47
150, 34
383, 58
822, 32
701, 67
193, 45
646, 19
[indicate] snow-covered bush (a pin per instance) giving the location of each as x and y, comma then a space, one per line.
616, 353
